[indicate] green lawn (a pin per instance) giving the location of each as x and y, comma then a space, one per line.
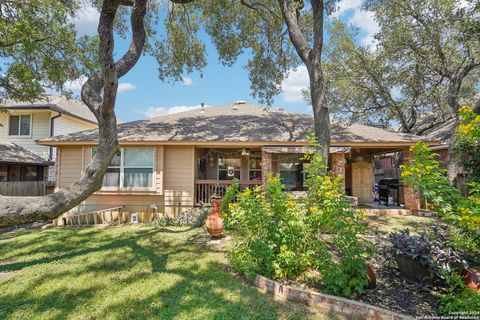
127, 272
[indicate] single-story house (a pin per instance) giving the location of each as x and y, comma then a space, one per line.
180, 160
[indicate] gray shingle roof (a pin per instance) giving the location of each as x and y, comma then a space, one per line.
14, 154
71, 107
436, 127
248, 122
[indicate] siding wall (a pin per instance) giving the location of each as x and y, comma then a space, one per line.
179, 166
66, 124
69, 166
40, 129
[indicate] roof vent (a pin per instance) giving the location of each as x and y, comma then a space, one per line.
240, 102
202, 109
281, 109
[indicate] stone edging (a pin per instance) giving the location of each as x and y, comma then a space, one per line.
337, 304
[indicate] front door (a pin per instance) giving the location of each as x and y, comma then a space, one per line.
362, 180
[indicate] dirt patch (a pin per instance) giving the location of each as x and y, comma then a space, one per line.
4, 276
26, 226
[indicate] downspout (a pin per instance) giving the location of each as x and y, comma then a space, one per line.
52, 130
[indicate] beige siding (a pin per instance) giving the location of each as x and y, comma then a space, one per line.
65, 124
179, 175
70, 167
40, 129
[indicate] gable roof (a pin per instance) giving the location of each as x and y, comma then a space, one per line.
236, 123
58, 103
12, 153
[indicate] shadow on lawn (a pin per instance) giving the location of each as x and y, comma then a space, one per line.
130, 273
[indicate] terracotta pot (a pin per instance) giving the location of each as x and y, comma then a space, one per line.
471, 278
213, 222
414, 270
371, 278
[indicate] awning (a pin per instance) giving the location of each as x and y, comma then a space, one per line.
289, 149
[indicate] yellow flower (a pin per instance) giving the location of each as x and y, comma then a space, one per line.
283, 248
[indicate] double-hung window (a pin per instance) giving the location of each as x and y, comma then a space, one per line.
131, 168
19, 125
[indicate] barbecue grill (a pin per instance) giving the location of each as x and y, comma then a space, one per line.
386, 188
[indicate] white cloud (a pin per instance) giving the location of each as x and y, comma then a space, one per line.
86, 22
76, 85
293, 85
187, 81
364, 20
152, 112
126, 86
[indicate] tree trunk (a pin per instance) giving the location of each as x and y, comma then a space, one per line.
321, 117
99, 93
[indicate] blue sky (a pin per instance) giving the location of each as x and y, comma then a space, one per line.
142, 94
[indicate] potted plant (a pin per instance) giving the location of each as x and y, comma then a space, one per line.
214, 222
412, 254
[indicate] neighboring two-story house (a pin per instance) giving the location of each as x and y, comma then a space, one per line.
21, 123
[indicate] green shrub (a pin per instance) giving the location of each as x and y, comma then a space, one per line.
270, 233
459, 298
227, 202
281, 237
426, 177
336, 244
194, 217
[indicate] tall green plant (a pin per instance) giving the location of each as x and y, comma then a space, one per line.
336, 243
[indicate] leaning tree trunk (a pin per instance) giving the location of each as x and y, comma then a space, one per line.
99, 94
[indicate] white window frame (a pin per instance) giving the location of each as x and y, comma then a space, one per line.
19, 125
122, 166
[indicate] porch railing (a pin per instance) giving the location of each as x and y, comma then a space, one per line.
205, 189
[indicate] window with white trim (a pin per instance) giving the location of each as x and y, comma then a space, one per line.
131, 168
19, 125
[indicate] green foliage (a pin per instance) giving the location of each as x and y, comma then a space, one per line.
337, 247
40, 47
229, 197
426, 177
270, 233
467, 146
459, 297
280, 236
418, 45
194, 217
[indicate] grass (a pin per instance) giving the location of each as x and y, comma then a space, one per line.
128, 272
386, 224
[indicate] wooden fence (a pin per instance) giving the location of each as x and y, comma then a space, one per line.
25, 188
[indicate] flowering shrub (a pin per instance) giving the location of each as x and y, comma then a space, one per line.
270, 233
338, 250
426, 177
281, 237
467, 148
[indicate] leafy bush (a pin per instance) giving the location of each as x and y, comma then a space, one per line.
162, 221
426, 177
432, 250
459, 298
338, 250
194, 217
229, 197
270, 233
279, 236
467, 147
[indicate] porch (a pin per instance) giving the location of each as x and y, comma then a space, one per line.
217, 167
